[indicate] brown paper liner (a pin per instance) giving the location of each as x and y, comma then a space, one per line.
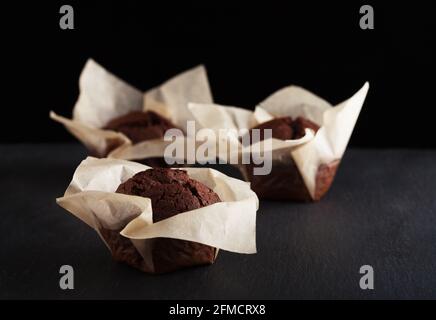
286, 183
166, 255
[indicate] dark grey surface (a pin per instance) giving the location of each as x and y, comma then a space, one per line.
381, 211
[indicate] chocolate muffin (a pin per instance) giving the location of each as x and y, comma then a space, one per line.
171, 192
141, 126
285, 128
285, 181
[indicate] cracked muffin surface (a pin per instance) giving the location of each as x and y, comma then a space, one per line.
286, 128
171, 191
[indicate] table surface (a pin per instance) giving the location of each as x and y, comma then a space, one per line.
381, 211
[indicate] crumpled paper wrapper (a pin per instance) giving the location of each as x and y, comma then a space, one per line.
104, 97
125, 222
302, 169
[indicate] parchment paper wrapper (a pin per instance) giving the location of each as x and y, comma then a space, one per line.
104, 97
125, 222
302, 169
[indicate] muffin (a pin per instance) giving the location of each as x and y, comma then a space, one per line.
285, 181
141, 126
171, 192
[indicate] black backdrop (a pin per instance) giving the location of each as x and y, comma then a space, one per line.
250, 50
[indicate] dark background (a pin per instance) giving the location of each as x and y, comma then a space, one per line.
250, 50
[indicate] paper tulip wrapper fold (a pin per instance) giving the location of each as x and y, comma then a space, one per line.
302, 169
125, 222
104, 97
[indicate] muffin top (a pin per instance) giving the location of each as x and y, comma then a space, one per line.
171, 191
285, 128
140, 126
